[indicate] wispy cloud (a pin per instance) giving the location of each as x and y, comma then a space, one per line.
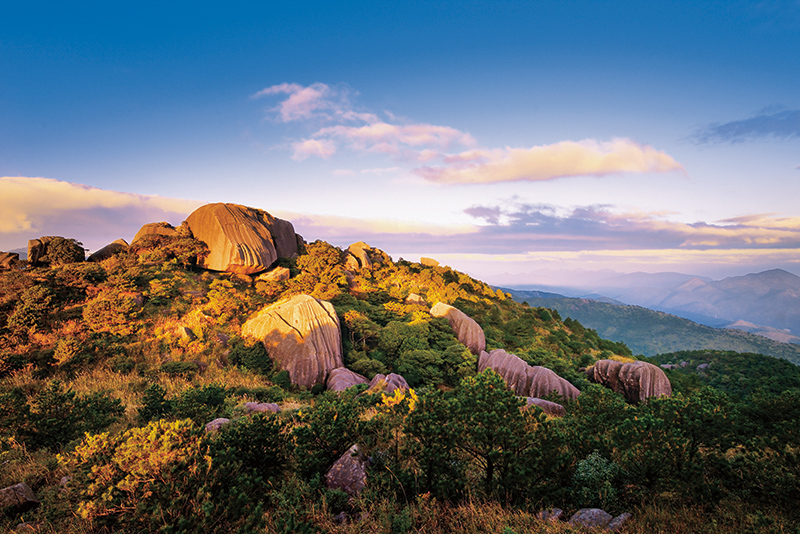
449, 155
782, 125
566, 158
32, 207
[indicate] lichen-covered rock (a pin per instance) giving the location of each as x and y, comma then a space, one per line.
261, 407
17, 499
526, 380
360, 251
553, 514
157, 228
591, 518
387, 383
636, 381
342, 378
120, 245
301, 335
217, 424
241, 239
550, 408
348, 473
466, 329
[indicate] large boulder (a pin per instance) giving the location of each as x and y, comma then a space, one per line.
591, 518
55, 250
636, 381
157, 228
17, 499
550, 408
240, 239
301, 335
360, 251
526, 380
387, 383
466, 329
348, 473
8, 260
120, 245
342, 378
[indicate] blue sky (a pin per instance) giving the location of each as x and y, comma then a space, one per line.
495, 136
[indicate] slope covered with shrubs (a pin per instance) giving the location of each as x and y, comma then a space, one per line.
110, 370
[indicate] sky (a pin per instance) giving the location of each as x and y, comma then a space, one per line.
502, 138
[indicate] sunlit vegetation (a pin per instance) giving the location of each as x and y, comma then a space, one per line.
109, 372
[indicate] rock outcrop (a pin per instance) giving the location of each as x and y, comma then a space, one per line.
550, 408
636, 381
8, 260
360, 251
387, 383
17, 499
120, 245
348, 473
466, 329
240, 239
524, 379
278, 274
301, 335
157, 228
342, 378
428, 262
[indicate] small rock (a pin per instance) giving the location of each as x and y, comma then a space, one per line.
429, 262
217, 424
18, 498
261, 407
186, 333
548, 407
277, 274
342, 518
348, 473
619, 521
702, 367
27, 527
413, 298
342, 378
387, 383
591, 518
684, 364
223, 339
554, 514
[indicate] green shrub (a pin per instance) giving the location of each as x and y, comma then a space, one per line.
594, 482
250, 355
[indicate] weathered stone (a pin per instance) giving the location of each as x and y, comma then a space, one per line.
523, 379
466, 329
8, 260
222, 339
120, 245
217, 424
241, 239
387, 383
554, 514
261, 407
157, 228
550, 408
413, 298
702, 367
637, 381
619, 521
36, 249
591, 518
39, 248
301, 335
429, 262
277, 274
348, 473
18, 498
342, 378
360, 251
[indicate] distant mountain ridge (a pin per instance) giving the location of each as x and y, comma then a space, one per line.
651, 332
767, 303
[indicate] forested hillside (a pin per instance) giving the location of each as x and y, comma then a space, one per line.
110, 371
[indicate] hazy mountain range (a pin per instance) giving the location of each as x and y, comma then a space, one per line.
765, 303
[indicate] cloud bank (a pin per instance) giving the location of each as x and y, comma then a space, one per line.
781, 125
32, 207
433, 146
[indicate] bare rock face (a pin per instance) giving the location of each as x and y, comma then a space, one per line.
342, 378
429, 262
158, 228
550, 408
17, 499
301, 335
636, 381
591, 518
120, 245
360, 251
348, 473
240, 239
387, 383
466, 329
526, 380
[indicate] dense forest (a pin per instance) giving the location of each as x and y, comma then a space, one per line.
110, 370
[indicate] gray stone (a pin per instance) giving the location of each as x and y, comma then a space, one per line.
526, 380
550, 408
591, 518
18, 498
619, 521
217, 424
637, 381
120, 245
348, 473
261, 407
387, 383
342, 378
554, 514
